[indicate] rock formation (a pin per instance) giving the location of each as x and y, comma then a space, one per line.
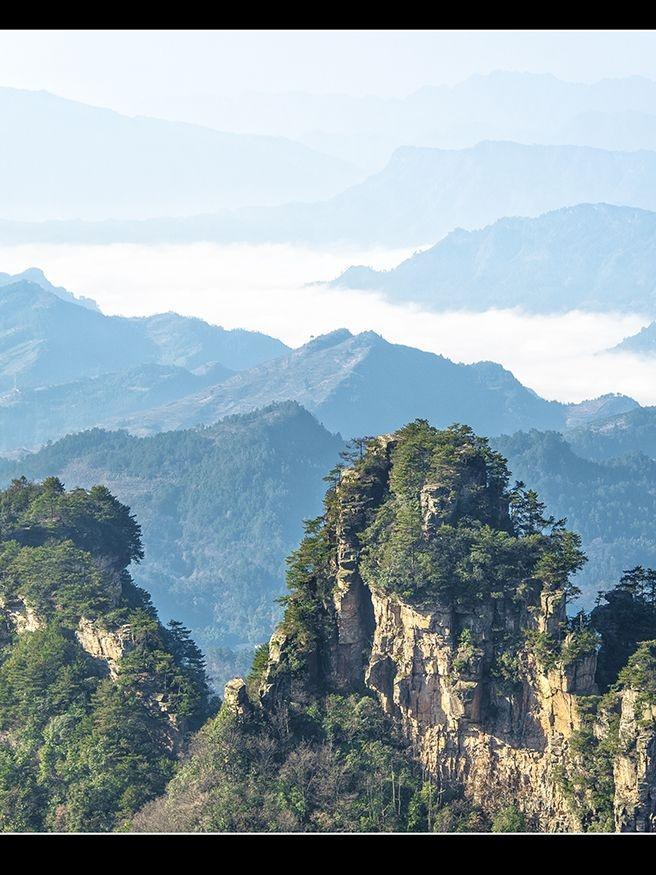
494, 688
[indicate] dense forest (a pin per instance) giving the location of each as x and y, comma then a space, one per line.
97, 698
219, 508
611, 502
299, 747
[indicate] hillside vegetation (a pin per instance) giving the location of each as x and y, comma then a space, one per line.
97, 698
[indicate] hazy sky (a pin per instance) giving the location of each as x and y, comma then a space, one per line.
127, 69
258, 287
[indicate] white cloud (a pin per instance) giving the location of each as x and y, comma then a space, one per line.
264, 288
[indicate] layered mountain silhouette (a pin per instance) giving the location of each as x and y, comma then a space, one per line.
64, 367
47, 339
642, 343
590, 256
524, 107
418, 197
60, 159
362, 384
31, 417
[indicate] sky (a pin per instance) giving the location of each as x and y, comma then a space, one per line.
131, 71
136, 72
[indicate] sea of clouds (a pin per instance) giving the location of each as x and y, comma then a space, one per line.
274, 289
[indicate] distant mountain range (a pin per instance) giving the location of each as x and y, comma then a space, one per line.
642, 343
502, 105
31, 417
361, 384
47, 338
220, 509
590, 256
631, 432
421, 195
35, 275
64, 368
60, 159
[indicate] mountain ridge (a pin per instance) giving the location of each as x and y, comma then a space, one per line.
150, 167
418, 197
358, 384
588, 256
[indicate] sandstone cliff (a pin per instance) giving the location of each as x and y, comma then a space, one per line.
494, 689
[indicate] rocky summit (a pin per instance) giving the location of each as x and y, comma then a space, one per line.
438, 594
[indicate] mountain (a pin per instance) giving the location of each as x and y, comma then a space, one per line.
65, 160
36, 275
219, 508
605, 489
359, 384
631, 431
418, 197
97, 698
642, 343
206, 497
47, 339
587, 413
502, 105
191, 343
591, 257
64, 368
425, 676
31, 417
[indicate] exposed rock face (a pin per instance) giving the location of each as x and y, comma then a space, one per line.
105, 644
235, 697
635, 766
22, 617
497, 731
351, 596
468, 729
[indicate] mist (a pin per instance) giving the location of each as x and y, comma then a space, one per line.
275, 289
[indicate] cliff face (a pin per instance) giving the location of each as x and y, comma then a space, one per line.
97, 697
470, 730
104, 644
634, 770
487, 690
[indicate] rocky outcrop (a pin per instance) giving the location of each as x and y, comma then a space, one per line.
235, 697
102, 643
635, 765
469, 729
493, 693
20, 617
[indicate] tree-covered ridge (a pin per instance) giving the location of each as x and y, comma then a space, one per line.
610, 501
311, 755
451, 526
96, 696
219, 507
